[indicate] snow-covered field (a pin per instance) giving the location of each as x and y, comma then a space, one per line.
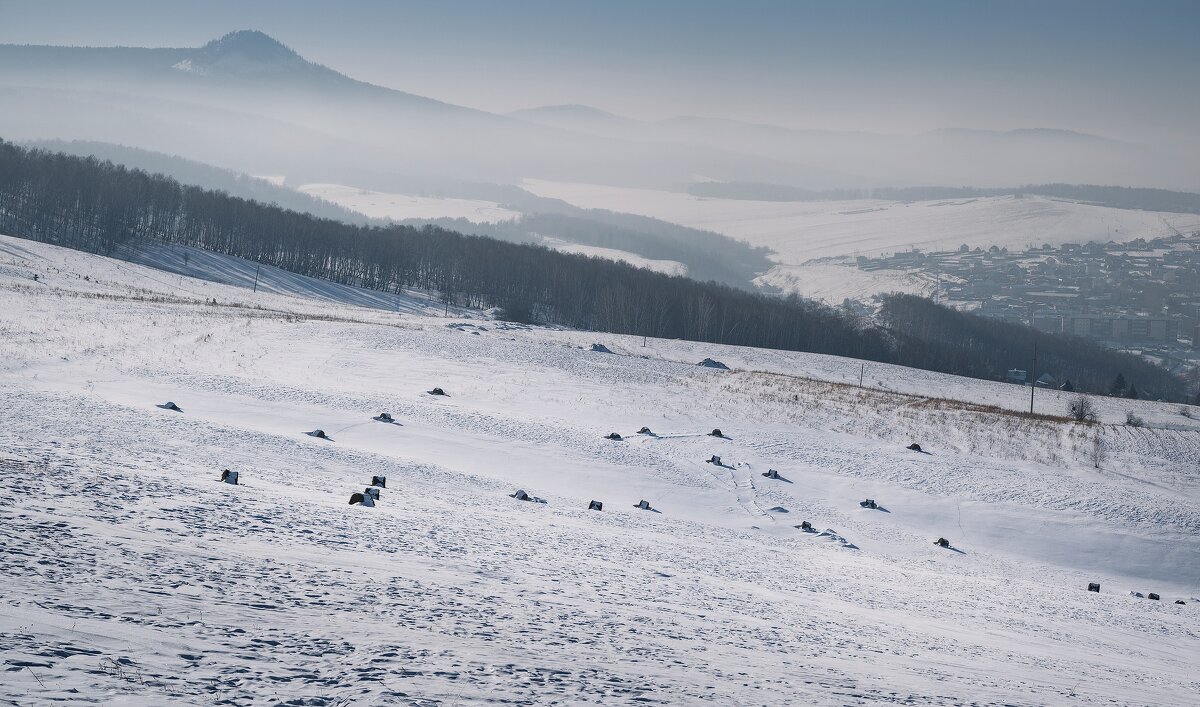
130, 575
399, 207
834, 282
670, 267
799, 232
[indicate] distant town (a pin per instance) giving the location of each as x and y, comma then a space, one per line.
1141, 296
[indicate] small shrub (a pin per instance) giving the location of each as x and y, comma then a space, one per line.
1133, 420
1081, 409
517, 310
1186, 412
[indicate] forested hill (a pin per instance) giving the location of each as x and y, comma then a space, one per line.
95, 206
706, 255
203, 175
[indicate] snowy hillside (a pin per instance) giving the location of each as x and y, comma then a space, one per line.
131, 575
399, 207
800, 232
212, 267
669, 267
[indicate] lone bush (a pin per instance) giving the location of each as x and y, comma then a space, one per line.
1133, 420
1081, 409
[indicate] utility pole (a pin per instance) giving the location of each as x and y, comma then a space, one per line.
256, 271
1032, 379
861, 371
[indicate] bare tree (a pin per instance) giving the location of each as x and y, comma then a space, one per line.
1081, 409
1097, 450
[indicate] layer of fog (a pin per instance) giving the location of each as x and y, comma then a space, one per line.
249, 104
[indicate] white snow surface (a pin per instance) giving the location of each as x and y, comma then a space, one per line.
799, 232
130, 575
228, 270
833, 281
399, 207
669, 267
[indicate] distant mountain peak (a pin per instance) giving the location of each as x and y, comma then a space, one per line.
577, 117
571, 109
251, 44
245, 52
1057, 133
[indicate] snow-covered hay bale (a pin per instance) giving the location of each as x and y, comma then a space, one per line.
318, 433
832, 536
714, 460
710, 363
601, 348
1153, 596
171, 406
615, 436
437, 391
915, 447
372, 491
362, 499
942, 542
868, 503
1094, 587
805, 526
595, 506
645, 431
229, 477
643, 505
383, 417
771, 474
716, 433
380, 481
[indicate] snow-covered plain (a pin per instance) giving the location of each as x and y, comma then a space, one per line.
399, 207
834, 281
800, 232
803, 230
130, 575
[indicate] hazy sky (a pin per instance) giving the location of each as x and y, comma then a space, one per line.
1128, 70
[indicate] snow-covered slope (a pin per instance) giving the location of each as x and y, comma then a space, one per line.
228, 270
399, 207
131, 575
670, 267
800, 232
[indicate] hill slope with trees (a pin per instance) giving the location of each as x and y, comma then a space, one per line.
95, 206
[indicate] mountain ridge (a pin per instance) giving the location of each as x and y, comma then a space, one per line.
381, 130
584, 110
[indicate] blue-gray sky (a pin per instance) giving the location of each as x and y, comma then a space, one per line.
1122, 69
